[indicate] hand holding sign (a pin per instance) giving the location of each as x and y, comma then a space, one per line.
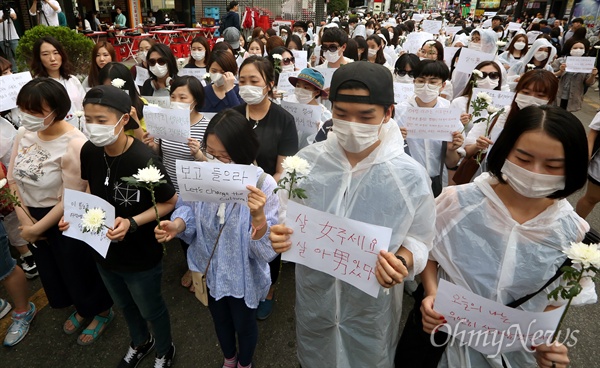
167, 123
428, 123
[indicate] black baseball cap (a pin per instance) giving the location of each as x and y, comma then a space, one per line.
109, 96
376, 78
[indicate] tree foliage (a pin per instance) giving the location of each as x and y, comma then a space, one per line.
337, 5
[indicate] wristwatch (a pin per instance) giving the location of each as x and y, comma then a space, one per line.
402, 260
132, 225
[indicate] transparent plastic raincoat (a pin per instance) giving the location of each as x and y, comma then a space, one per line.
337, 324
519, 68
480, 247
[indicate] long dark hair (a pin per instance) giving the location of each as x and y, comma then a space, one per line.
204, 42
93, 79
37, 67
538, 80
468, 91
379, 57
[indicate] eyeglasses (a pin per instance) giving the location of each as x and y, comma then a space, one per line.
492, 75
160, 61
402, 73
330, 48
288, 61
210, 156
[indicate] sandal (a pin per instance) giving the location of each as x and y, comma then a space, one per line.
186, 279
100, 327
75, 322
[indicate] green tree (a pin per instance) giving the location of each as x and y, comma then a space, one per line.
337, 5
77, 46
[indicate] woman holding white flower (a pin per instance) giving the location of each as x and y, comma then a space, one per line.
540, 56
238, 273
514, 223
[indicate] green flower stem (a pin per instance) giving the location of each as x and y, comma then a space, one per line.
151, 189
562, 317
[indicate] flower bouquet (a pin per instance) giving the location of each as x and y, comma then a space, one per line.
296, 169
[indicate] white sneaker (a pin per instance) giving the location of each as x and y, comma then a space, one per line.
5, 307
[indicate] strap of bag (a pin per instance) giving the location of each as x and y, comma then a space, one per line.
216, 243
558, 273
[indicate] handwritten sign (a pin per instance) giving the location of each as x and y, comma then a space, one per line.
194, 72
583, 64
468, 60
403, 91
301, 59
453, 30
76, 204
514, 26
437, 124
284, 82
141, 75
488, 326
343, 248
162, 101
449, 53
432, 26
500, 99
415, 40
168, 124
307, 117
214, 182
10, 85
417, 17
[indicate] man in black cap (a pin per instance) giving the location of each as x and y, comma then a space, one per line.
132, 269
370, 179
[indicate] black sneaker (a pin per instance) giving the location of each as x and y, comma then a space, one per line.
166, 360
28, 265
135, 355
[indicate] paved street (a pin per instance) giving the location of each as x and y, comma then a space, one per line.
193, 333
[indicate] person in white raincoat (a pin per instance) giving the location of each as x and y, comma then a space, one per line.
540, 54
361, 172
514, 224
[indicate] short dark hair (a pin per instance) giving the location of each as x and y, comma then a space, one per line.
497, 17
37, 67
232, 5
558, 124
225, 60
295, 39
577, 20
432, 68
264, 67
406, 59
117, 70
165, 52
236, 134
38, 91
335, 35
537, 80
351, 50
301, 23
195, 87
361, 44
204, 42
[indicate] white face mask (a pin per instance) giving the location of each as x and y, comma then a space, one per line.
370, 32
332, 57
303, 96
577, 52
198, 55
541, 55
524, 100
487, 83
530, 184
33, 123
142, 55
159, 70
372, 52
355, 137
427, 92
284, 37
103, 135
299, 34
519, 45
217, 79
475, 46
288, 68
403, 79
252, 95
180, 106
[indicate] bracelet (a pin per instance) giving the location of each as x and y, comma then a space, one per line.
402, 260
257, 229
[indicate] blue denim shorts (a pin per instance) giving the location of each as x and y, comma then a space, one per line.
7, 262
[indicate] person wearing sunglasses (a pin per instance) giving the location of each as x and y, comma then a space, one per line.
333, 44
404, 67
162, 68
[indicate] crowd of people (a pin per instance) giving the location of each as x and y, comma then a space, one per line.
88, 133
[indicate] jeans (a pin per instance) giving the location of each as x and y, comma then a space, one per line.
10, 51
139, 296
7, 263
231, 315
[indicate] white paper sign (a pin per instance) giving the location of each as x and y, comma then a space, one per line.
583, 64
403, 91
214, 182
431, 26
168, 124
514, 26
449, 53
453, 30
468, 60
436, 124
141, 75
307, 117
76, 203
343, 248
10, 85
300, 57
417, 17
194, 72
500, 99
489, 13
284, 83
162, 101
415, 40
488, 326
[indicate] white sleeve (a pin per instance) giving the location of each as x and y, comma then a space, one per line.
595, 124
477, 131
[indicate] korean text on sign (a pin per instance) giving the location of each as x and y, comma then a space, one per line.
343, 248
307, 117
167, 123
214, 182
500, 99
583, 64
10, 85
437, 124
468, 59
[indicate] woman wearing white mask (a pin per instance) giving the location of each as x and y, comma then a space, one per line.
517, 48
434, 50
540, 56
571, 86
487, 75
144, 46
287, 61
46, 160
375, 52
162, 68
223, 92
536, 87
403, 71
199, 53
276, 132
539, 160
434, 155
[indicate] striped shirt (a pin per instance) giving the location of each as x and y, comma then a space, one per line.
172, 151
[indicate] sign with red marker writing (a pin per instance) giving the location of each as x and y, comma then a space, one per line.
343, 248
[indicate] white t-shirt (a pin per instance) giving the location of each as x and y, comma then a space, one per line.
48, 16
8, 27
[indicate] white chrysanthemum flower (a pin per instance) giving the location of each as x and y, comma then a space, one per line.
584, 254
277, 57
492, 109
118, 82
500, 43
531, 66
93, 220
402, 38
478, 73
484, 96
3, 182
431, 43
300, 165
150, 175
597, 47
79, 113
